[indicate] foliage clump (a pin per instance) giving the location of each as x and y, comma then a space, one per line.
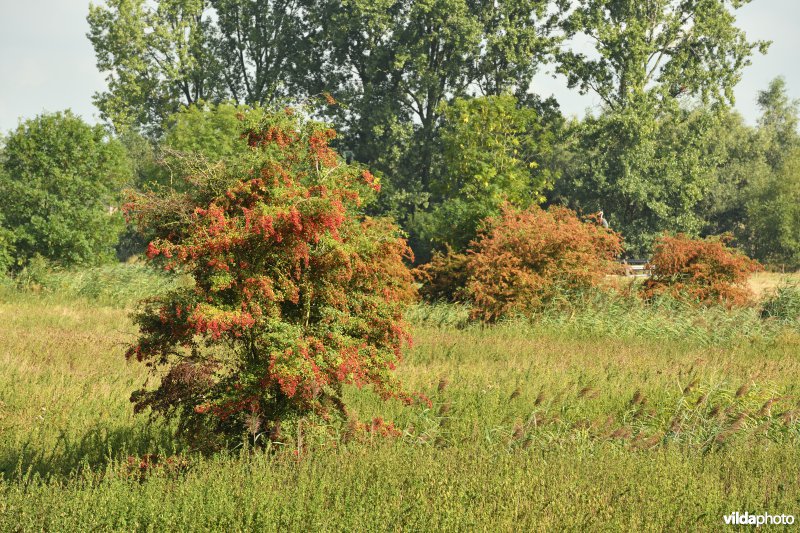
59, 183
703, 270
524, 259
783, 305
296, 293
492, 149
444, 278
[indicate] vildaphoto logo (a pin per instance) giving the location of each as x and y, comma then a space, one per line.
747, 519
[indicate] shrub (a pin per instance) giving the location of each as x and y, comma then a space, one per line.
703, 270
444, 277
523, 260
296, 293
6, 248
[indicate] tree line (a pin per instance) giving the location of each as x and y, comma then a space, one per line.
437, 98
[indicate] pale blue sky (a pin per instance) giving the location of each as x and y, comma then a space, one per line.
47, 64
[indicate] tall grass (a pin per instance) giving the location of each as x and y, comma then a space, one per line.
561, 422
597, 314
116, 284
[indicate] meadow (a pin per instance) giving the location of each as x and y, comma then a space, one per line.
614, 415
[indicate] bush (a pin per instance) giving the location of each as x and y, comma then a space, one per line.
706, 271
525, 259
444, 277
296, 292
6, 248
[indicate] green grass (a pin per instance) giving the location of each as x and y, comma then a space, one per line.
115, 285
570, 422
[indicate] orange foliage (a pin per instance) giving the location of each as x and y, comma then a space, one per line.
524, 259
705, 270
444, 278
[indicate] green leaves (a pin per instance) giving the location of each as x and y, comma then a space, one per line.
156, 58
656, 49
60, 182
491, 153
645, 159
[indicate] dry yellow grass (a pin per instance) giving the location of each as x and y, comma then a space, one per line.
764, 282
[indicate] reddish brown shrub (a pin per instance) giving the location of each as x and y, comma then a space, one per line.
444, 278
296, 292
702, 270
524, 259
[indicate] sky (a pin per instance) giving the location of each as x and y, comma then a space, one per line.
47, 63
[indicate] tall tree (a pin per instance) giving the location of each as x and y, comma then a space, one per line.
650, 61
159, 56
395, 64
647, 171
662, 48
403, 58
155, 57
266, 49
777, 126
772, 197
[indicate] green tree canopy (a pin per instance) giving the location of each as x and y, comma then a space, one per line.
160, 55
60, 183
155, 58
772, 196
491, 149
663, 49
644, 159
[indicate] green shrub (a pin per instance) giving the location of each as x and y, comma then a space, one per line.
6, 248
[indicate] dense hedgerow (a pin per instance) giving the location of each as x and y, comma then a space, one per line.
703, 270
524, 259
296, 293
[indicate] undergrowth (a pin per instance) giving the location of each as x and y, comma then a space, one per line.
598, 314
115, 284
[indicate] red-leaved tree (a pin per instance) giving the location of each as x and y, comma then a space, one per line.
296, 293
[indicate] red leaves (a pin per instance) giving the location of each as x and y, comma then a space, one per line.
282, 138
152, 251
369, 179
704, 270
208, 321
295, 291
320, 149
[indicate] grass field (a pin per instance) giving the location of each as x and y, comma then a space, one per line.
763, 282
657, 420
